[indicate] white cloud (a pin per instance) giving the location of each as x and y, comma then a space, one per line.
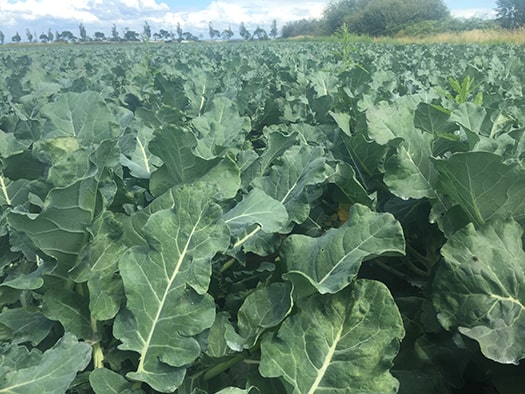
483, 13
100, 15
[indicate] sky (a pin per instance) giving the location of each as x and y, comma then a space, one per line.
193, 15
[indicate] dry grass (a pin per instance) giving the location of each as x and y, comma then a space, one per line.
516, 37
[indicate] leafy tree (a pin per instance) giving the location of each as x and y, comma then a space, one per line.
16, 38
99, 36
66, 36
29, 35
227, 33
164, 34
179, 32
303, 27
146, 33
243, 32
338, 12
82, 32
50, 36
260, 34
43, 38
131, 35
189, 37
114, 33
2, 37
511, 13
380, 17
213, 33
273, 31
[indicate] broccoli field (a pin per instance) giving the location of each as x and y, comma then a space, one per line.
266, 217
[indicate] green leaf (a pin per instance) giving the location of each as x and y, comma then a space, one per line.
51, 372
105, 381
480, 288
219, 128
345, 179
60, 229
70, 309
181, 166
84, 115
257, 208
410, 172
266, 307
25, 325
483, 185
292, 181
165, 287
344, 342
277, 144
137, 156
471, 117
112, 235
331, 262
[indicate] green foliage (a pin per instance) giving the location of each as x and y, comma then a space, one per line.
511, 13
262, 217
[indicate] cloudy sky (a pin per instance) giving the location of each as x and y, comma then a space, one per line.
99, 15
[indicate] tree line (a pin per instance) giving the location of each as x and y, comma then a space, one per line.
390, 17
369, 17
129, 35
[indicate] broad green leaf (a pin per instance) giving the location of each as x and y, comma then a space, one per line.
257, 208
25, 325
69, 160
50, 373
217, 345
60, 229
165, 287
112, 235
70, 309
331, 262
276, 144
265, 308
10, 145
344, 342
105, 381
345, 179
31, 281
410, 172
430, 119
325, 83
480, 288
84, 115
220, 128
292, 181
175, 147
483, 186
366, 157
137, 157
470, 116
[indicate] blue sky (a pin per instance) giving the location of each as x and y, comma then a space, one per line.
193, 15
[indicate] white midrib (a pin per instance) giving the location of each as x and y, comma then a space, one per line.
331, 351
144, 156
147, 343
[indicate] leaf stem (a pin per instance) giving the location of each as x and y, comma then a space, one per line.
227, 265
224, 366
246, 237
98, 354
4, 190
